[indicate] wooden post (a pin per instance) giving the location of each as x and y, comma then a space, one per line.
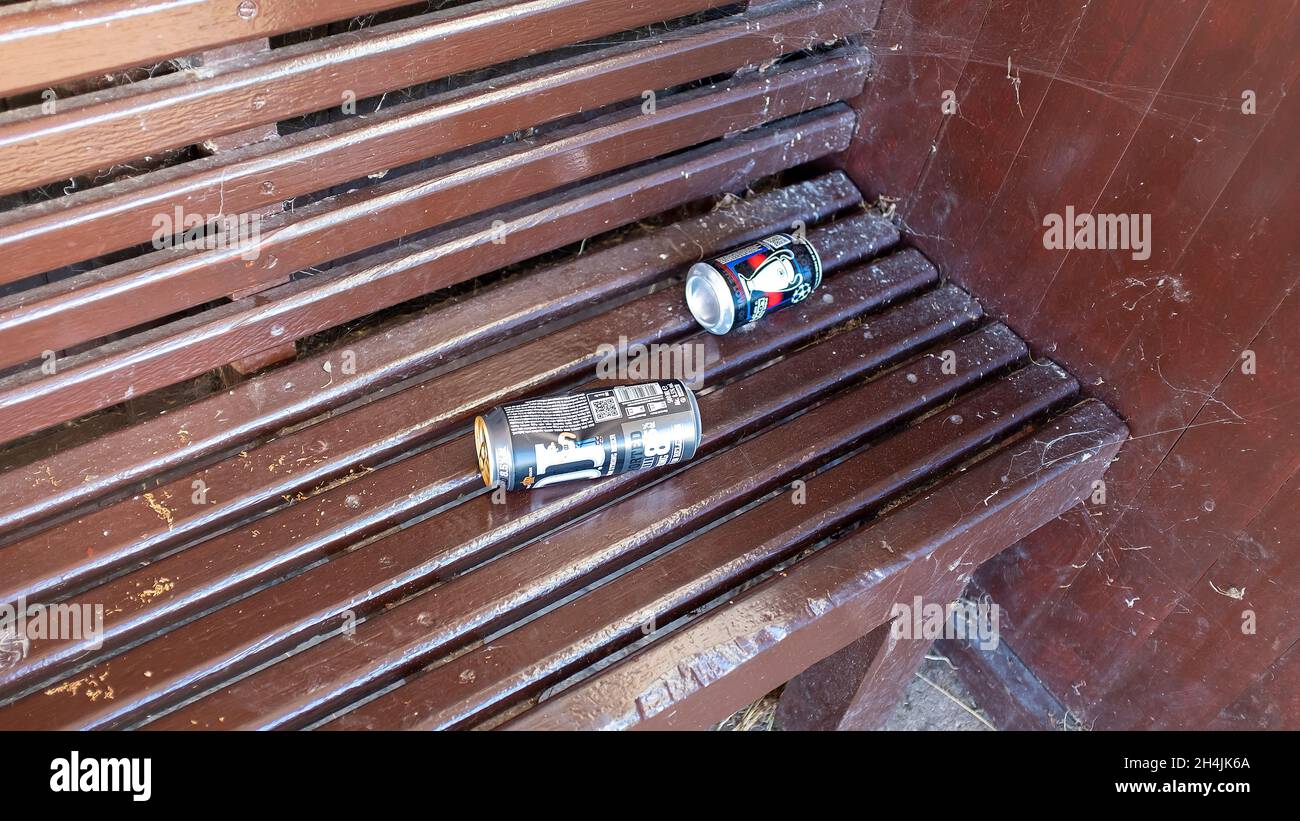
858, 687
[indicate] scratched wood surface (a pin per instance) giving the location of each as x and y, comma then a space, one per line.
779, 628
311, 547
1124, 108
89, 306
91, 131
407, 414
91, 319
313, 459
85, 224
51, 42
338, 527
111, 373
75, 477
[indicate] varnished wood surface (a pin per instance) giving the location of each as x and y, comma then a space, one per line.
94, 131
1122, 108
86, 224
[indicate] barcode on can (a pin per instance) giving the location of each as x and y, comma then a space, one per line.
638, 393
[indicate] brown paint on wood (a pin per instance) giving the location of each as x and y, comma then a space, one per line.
1209, 435
921, 50
247, 365
119, 370
89, 306
1100, 87
247, 411
341, 514
221, 145
397, 640
50, 43
975, 150
859, 686
363, 580
1144, 115
1272, 702
521, 662
819, 694
730, 656
1001, 684
89, 223
336, 448
1234, 622
97, 130
229, 142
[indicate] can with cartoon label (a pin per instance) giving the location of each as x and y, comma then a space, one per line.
751, 282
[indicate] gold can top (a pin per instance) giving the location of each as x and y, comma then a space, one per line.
484, 450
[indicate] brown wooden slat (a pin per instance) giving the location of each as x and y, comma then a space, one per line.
87, 224
296, 535
291, 394
398, 640
89, 306
187, 348
345, 445
42, 44
525, 660
772, 632
96, 130
280, 617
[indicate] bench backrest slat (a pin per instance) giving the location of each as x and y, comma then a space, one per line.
45, 44
86, 224
116, 125
119, 297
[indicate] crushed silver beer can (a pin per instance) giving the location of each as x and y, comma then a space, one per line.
603, 432
751, 282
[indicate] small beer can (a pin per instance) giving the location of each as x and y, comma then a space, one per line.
540, 442
751, 282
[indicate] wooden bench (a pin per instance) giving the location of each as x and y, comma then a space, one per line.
312, 546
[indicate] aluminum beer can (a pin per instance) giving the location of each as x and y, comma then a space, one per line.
751, 282
540, 442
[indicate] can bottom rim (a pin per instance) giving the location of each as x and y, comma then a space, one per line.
484, 450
